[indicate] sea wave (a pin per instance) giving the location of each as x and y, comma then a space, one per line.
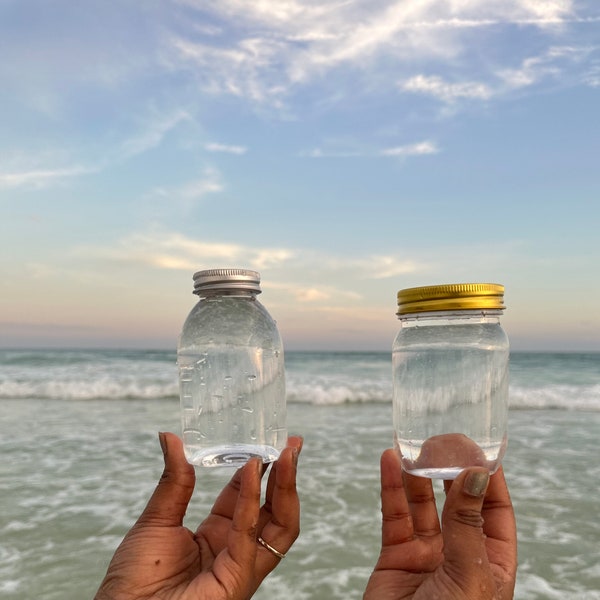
569, 397
565, 397
100, 389
538, 381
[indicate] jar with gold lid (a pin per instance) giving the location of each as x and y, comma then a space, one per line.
450, 379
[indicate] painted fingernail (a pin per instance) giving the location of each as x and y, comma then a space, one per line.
476, 484
162, 438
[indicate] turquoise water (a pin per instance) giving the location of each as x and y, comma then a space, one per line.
81, 457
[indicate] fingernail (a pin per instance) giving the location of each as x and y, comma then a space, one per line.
295, 456
163, 442
476, 483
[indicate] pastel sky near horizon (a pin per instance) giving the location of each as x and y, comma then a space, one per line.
345, 149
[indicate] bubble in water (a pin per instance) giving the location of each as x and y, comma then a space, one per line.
186, 374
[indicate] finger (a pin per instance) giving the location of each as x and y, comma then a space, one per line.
497, 511
224, 505
292, 442
397, 523
282, 507
168, 503
226, 501
447, 485
464, 542
499, 525
421, 501
241, 540
295, 442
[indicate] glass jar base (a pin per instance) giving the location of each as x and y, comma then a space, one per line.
230, 455
446, 473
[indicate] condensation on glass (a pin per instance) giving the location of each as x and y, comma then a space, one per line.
450, 379
231, 373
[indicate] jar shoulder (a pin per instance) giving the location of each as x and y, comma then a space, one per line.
484, 335
229, 321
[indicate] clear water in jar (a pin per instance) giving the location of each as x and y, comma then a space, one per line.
233, 405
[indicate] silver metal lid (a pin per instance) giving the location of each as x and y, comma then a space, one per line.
226, 279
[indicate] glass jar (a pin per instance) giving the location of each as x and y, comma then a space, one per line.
450, 379
231, 373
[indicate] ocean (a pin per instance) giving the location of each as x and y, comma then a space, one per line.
81, 457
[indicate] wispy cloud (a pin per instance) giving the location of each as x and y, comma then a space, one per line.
226, 148
267, 48
314, 271
383, 267
447, 92
209, 182
153, 132
416, 149
295, 277
556, 63
172, 250
419, 149
42, 178
325, 153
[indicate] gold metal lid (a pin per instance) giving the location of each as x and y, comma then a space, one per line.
455, 296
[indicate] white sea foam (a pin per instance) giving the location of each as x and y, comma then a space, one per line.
9, 586
569, 382
78, 473
86, 389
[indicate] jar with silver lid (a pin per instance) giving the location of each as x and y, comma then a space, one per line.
450, 379
231, 373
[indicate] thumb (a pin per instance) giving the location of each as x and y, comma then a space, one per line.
465, 554
168, 503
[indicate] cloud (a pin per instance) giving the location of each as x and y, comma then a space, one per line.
301, 274
154, 131
264, 49
209, 182
383, 267
152, 136
172, 250
42, 178
418, 149
320, 153
312, 294
228, 149
556, 63
446, 92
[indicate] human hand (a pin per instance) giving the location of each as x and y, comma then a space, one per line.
159, 558
471, 555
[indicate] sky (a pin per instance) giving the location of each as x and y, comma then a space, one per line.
344, 149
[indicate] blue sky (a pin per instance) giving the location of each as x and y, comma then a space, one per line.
344, 149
